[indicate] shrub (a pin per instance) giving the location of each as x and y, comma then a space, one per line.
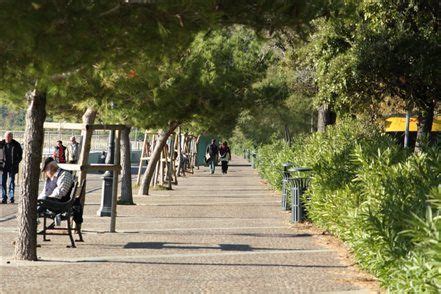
383, 201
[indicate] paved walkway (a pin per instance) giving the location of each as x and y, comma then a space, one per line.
212, 233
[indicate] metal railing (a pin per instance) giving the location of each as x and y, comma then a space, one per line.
99, 139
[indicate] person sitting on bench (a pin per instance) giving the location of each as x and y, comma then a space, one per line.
58, 183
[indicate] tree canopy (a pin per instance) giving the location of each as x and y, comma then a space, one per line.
376, 50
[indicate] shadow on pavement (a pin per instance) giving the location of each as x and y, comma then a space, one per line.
219, 264
186, 246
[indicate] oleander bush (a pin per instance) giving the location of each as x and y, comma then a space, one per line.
382, 200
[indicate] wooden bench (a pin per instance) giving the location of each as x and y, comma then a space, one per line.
68, 211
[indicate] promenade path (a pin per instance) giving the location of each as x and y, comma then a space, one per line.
211, 234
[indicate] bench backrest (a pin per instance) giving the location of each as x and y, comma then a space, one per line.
73, 192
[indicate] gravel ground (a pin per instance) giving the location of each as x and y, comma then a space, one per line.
211, 234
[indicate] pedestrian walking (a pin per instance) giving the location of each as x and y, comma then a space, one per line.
13, 154
73, 151
225, 156
60, 152
211, 155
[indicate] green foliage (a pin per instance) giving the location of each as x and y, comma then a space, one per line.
280, 108
12, 120
207, 86
381, 200
270, 160
373, 50
45, 42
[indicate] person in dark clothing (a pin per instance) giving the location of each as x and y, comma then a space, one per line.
211, 157
2, 161
60, 152
12, 156
225, 156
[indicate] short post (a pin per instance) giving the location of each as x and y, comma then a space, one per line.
106, 195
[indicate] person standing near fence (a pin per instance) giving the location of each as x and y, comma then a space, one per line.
73, 151
60, 152
225, 156
12, 156
2, 161
211, 157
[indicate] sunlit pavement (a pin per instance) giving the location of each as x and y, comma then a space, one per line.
212, 233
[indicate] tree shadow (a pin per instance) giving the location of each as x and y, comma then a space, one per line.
217, 264
186, 246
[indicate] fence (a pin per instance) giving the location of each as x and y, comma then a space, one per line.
99, 139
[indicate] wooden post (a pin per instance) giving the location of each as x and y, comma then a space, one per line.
179, 151
161, 168
115, 181
88, 118
156, 172
138, 178
169, 163
176, 148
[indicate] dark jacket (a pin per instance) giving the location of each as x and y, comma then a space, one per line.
13, 156
212, 150
2, 155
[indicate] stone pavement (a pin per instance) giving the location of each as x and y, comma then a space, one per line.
211, 234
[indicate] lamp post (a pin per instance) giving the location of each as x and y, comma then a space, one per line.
106, 195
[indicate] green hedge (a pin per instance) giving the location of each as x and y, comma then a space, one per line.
383, 201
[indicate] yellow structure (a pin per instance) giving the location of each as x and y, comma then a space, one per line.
398, 124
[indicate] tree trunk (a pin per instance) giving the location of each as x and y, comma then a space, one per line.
287, 135
325, 117
126, 169
89, 116
160, 143
424, 125
26, 245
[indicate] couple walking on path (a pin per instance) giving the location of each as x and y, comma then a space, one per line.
215, 153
